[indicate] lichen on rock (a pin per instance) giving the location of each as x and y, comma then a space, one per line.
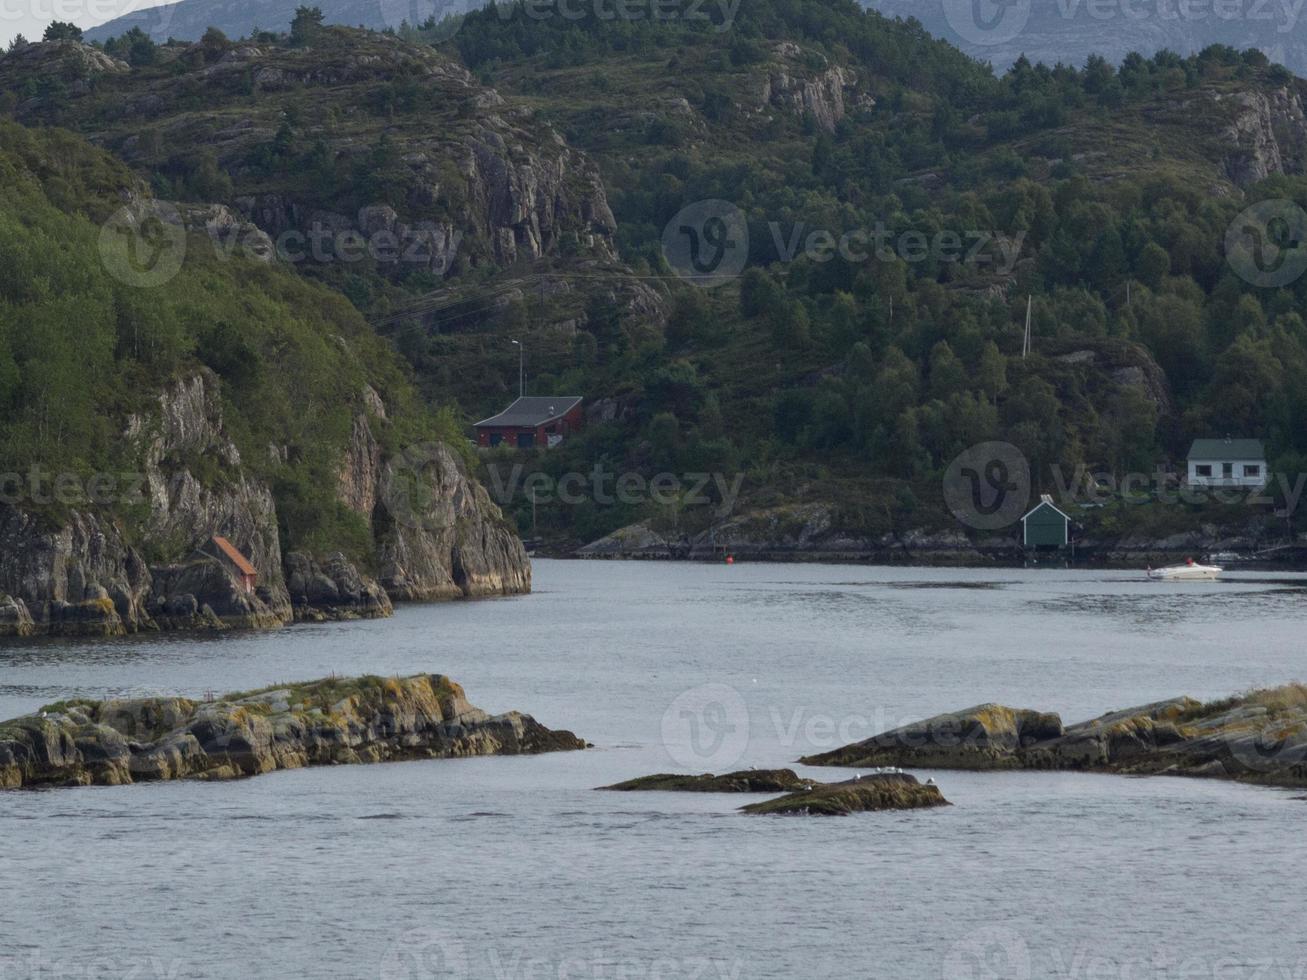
326, 722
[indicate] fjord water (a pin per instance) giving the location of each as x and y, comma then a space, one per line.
515, 868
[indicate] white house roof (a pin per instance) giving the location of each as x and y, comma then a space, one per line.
1045, 501
533, 410
1221, 449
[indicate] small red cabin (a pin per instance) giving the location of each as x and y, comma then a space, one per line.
542, 421
235, 563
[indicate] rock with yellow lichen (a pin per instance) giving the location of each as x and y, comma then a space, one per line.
326, 722
1256, 737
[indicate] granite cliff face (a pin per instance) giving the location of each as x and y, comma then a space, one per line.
826, 95
327, 722
438, 536
444, 180
448, 538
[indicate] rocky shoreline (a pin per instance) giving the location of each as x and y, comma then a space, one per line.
1259, 737
810, 533
435, 534
335, 721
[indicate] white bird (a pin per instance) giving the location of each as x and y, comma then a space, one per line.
930, 782
44, 715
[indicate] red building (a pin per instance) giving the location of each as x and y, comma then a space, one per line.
237, 565
533, 421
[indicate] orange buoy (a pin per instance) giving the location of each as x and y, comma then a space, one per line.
730, 559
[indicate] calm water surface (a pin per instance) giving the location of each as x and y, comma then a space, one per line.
514, 868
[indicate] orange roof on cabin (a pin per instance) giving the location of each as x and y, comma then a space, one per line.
240, 561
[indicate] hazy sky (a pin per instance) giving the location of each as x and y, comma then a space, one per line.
30, 17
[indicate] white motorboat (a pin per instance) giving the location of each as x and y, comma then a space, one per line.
1190, 571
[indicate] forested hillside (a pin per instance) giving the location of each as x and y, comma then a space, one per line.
550, 155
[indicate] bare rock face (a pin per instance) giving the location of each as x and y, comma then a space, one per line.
438, 536
333, 589
182, 509
78, 578
824, 95
328, 722
447, 538
1267, 133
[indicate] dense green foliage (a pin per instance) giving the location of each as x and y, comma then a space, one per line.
1102, 195
81, 350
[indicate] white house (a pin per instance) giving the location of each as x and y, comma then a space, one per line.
1227, 463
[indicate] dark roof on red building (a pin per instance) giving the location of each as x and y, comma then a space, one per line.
533, 410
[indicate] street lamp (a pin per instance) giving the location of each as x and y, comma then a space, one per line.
521, 373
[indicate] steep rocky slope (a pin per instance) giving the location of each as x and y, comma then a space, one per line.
438, 534
355, 133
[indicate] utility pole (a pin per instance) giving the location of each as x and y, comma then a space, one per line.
1025, 342
521, 369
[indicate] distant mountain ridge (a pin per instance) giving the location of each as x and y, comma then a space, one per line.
1048, 31
189, 19
1070, 31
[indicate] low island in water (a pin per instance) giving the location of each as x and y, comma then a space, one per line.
326, 722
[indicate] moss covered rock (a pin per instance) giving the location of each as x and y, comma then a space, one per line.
325, 722
1258, 737
988, 736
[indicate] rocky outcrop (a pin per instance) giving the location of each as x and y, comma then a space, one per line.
1267, 133
333, 589
438, 536
78, 577
447, 538
1260, 737
823, 95
744, 781
898, 791
184, 510
68, 65
988, 736
327, 722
